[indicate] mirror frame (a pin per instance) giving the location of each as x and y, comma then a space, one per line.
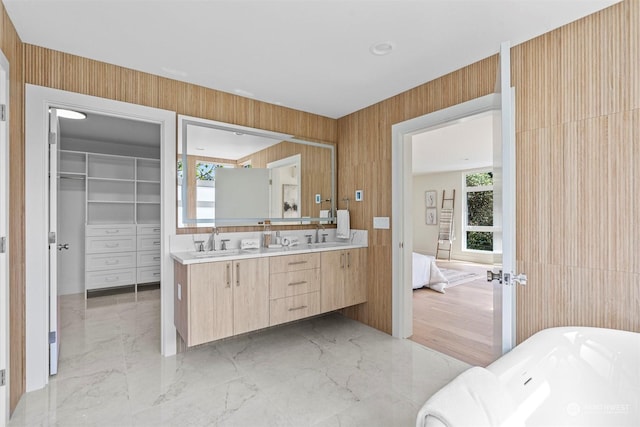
184, 121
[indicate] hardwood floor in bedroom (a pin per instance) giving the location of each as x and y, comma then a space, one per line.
458, 323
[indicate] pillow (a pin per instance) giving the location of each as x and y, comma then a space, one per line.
437, 281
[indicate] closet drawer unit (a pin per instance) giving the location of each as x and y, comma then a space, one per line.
148, 258
149, 229
110, 278
95, 262
146, 243
287, 263
111, 230
294, 283
148, 274
283, 310
97, 244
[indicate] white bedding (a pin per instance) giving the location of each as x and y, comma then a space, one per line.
426, 273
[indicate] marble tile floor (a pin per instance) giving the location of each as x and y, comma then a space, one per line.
327, 371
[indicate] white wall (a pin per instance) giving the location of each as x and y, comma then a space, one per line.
425, 237
71, 219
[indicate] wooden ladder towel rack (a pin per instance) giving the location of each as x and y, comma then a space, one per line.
445, 230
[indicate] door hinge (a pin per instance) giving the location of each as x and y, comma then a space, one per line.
3, 377
491, 276
3, 112
52, 237
52, 337
3, 245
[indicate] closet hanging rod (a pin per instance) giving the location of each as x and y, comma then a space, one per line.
75, 178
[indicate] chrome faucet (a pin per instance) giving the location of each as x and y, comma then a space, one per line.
211, 243
318, 227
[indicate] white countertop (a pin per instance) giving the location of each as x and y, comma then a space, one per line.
193, 257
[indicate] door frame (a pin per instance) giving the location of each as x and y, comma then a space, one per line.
4, 231
38, 99
402, 227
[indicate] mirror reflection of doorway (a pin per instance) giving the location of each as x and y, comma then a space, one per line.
285, 187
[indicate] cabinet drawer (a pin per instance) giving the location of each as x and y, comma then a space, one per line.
294, 283
149, 229
148, 258
110, 278
148, 242
148, 274
110, 261
110, 244
111, 230
284, 264
293, 308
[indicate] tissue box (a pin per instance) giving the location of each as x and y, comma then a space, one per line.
250, 244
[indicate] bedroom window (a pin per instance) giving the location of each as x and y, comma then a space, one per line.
478, 211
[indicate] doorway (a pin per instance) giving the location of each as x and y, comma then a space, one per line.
38, 101
452, 209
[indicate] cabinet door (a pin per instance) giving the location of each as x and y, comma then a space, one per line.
210, 302
332, 281
250, 295
355, 283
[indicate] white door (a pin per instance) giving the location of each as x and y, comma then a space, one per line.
504, 210
4, 250
54, 143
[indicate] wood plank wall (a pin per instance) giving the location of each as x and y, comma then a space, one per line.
578, 133
364, 163
12, 48
578, 182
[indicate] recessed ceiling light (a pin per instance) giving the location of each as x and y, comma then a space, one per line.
244, 93
238, 133
382, 48
70, 114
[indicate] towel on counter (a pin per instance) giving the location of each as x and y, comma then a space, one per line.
473, 398
344, 228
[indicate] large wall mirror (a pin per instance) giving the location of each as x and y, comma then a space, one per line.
231, 175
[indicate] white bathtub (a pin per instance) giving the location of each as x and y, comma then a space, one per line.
571, 376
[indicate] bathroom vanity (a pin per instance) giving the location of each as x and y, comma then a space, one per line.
217, 295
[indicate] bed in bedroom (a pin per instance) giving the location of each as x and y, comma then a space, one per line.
426, 273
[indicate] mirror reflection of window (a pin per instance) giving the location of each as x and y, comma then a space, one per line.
205, 196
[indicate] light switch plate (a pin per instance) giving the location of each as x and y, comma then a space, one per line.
359, 195
381, 222
318, 198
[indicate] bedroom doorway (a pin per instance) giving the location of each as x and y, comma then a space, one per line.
452, 177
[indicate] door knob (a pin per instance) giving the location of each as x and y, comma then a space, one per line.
62, 246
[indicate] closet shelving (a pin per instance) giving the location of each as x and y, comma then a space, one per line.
122, 201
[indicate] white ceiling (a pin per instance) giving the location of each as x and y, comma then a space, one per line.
463, 145
311, 55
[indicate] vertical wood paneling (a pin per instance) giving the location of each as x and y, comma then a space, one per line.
13, 50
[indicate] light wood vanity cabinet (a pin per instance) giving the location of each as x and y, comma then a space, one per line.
294, 287
343, 283
218, 299
215, 300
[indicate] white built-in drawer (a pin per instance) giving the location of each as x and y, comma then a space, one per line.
110, 278
152, 229
294, 283
111, 230
148, 243
105, 261
98, 244
293, 308
148, 258
148, 274
283, 264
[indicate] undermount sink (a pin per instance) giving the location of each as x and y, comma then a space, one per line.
326, 244
214, 254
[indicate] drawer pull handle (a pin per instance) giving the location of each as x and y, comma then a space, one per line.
156, 243
111, 245
157, 230
297, 262
156, 258
302, 282
228, 275
302, 307
111, 279
112, 231
237, 274
112, 261
156, 274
